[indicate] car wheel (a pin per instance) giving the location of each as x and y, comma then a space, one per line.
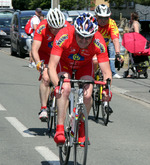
12, 52
20, 53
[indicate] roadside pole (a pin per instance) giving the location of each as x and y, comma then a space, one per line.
55, 4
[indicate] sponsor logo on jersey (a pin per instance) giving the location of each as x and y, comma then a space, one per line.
61, 40
50, 44
40, 29
76, 57
99, 45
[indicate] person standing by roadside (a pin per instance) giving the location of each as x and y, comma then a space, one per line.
34, 23
134, 24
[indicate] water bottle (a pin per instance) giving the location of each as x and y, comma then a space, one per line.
72, 123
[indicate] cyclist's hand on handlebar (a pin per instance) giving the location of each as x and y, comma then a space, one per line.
56, 92
40, 66
106, 95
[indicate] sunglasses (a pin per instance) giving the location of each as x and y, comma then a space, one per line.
103, 18
86, 38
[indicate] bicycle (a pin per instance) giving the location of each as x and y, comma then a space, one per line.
72, 130
98, 99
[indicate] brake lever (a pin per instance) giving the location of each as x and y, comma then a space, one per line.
60, 83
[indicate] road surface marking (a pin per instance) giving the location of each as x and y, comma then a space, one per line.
49, 156
2, 108
118, 90
20, 127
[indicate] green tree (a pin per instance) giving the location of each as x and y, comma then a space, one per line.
43, 4
76, 4
31, 4
20, 4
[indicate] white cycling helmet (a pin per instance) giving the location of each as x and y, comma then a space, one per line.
86, 25
55, 18
103, 10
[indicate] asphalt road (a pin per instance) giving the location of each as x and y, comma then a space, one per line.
24, 139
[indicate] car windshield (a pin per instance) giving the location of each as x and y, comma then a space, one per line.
24, 20
5, 19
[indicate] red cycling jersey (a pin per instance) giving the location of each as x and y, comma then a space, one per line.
109, 31
44, 35
72, 55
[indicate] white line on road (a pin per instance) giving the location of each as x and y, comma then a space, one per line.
2, 108
20, 127
49, 156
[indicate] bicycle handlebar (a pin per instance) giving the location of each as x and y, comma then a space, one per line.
63, 79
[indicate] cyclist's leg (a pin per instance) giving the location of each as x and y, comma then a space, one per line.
62, 103
44, 91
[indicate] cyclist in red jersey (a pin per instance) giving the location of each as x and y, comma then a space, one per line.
109, 30
74, 48
41, 49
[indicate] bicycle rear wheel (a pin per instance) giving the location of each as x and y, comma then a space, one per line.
105, 112
50, 117
80, 153
64, 150
52, 114
96, 102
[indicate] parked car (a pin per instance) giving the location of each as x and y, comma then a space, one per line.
5, 20
17, 34
75, 13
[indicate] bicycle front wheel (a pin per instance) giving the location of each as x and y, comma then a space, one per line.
105, 112
64, 150
80, 151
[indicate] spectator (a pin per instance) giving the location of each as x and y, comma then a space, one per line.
34, 23
42, 17
134, 24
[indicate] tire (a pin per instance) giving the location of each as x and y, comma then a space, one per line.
96, 102
50, 121
105, 113
125, 74
64, 150
146, 75
50, 118
80, 153
20, 53
12, 52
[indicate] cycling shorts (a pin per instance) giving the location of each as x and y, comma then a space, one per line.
85, 70
45, 57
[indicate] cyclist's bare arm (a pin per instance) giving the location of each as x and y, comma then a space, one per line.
116, 45
35, 47
106, 71
52, 66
